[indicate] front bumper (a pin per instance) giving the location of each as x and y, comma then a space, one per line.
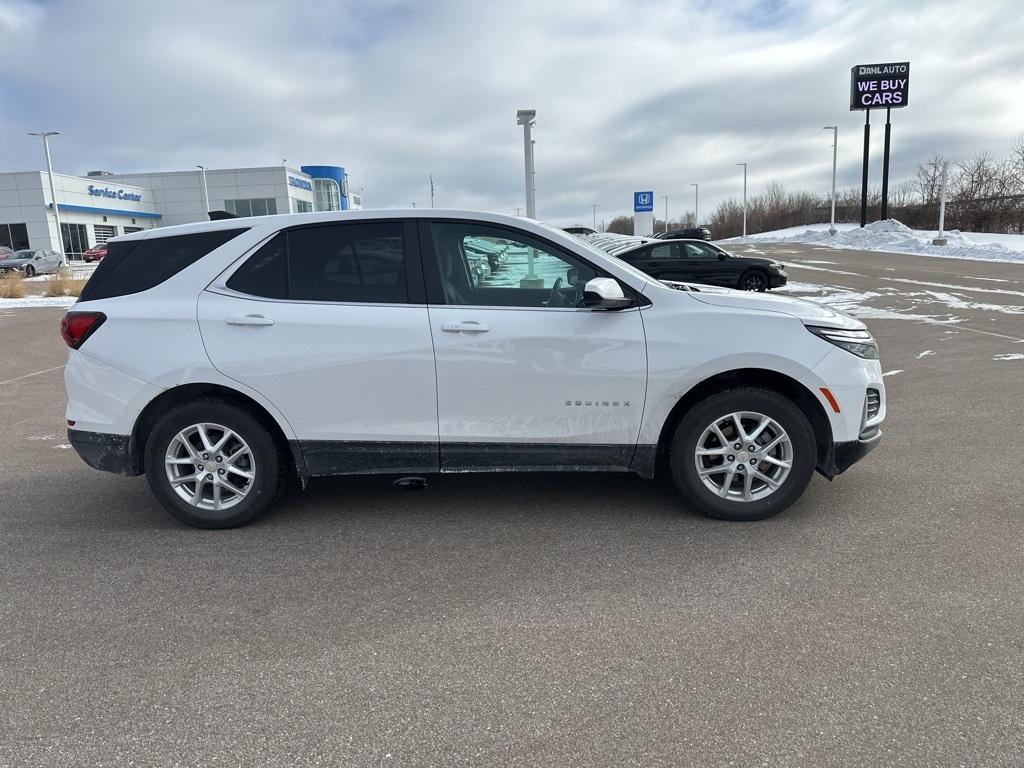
777, 279
844, 455
110, 453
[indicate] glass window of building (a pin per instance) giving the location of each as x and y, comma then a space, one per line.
253, 206
328, 196
303, 206
76, 239
14, 236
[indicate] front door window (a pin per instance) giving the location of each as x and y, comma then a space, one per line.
493, 267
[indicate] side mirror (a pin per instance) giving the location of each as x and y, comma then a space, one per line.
605, 293
722, 256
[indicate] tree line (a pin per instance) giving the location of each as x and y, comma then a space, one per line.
983, 194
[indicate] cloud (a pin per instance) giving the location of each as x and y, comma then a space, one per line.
628, 96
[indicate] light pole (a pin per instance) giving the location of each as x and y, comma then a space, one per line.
665, 198
696, 204
528, 118
941, 239
835, 150
594, 207
53, 194
206, 193
744, 198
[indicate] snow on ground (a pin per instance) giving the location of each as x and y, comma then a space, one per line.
79, 271
895, 302
38, 301
893, 237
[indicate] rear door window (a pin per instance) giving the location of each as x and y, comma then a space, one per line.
351, 263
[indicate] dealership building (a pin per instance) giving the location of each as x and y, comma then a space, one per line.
102, 205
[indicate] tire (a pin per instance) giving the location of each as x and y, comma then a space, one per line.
30, 271
242, 499
753, 280
695, 432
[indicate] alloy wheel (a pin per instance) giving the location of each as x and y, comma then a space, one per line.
210, 466
753, 282
743, 456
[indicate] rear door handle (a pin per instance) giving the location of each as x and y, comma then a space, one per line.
468, 326
248, 320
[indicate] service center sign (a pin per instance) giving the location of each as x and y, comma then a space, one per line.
873, 86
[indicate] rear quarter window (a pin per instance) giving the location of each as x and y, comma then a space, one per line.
134, 266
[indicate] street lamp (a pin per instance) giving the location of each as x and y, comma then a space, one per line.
528, 118
53, 194
835, 149
744, 198
665, 198
594, 207
696, 204
206, 193
941, 239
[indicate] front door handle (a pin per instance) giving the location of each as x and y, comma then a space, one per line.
469, 326
248, 320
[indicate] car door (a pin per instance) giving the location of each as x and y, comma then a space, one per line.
329, 323
527, 378
51, 261
670, 262
719, 269
701, 262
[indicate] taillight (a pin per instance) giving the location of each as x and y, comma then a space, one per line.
76, 327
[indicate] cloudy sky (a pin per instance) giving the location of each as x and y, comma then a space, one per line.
630, 95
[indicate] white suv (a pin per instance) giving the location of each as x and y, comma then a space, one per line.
222, 358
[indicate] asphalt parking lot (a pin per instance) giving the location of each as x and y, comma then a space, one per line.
545, 619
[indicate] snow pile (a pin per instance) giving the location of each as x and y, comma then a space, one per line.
892, 236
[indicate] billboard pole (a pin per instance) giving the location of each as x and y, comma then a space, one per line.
885, 168
864, 171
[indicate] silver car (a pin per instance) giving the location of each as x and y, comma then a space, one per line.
31, 261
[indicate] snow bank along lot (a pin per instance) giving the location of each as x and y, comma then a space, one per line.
893, 237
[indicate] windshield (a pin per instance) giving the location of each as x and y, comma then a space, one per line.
21, 255
603, 254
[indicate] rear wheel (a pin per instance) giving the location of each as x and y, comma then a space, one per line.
752, 280
213, 465
743, 454
30, 271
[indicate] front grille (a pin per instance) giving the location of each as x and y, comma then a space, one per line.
873, 405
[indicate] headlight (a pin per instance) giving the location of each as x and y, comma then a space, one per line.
859, 343
776, 266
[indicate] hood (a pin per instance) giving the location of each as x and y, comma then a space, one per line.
807, 312
7, 263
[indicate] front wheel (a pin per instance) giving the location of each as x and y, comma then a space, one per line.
753, 281
30, 271
743, 454
212, 465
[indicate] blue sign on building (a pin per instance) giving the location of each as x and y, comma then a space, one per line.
643, 202
108, 192
295, 181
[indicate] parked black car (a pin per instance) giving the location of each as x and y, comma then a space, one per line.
694, 233
695, 261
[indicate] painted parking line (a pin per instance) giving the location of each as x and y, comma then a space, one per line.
29, 375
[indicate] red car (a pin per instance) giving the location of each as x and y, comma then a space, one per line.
96, 253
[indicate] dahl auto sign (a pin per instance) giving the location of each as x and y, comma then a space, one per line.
880, 85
